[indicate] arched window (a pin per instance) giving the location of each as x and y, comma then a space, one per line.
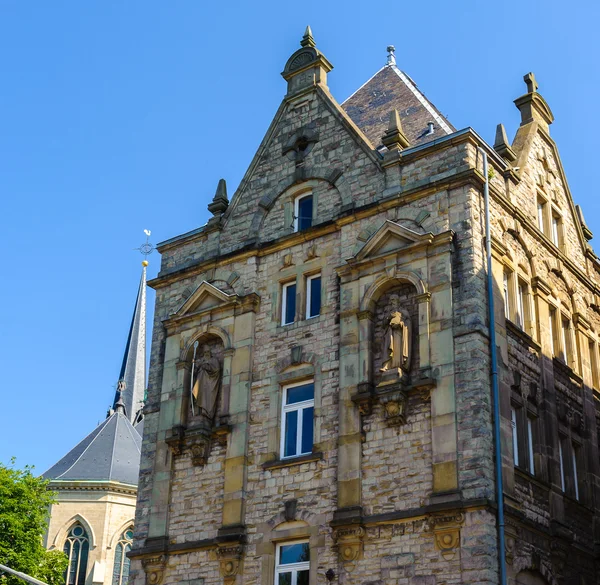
76, 548
121, 566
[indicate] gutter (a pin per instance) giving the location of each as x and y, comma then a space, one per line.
494, 374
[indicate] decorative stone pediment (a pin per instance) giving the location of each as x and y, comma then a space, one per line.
390, 237
206, 296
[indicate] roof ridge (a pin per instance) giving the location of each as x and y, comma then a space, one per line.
104, 424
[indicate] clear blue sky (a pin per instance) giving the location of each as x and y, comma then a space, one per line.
117, 116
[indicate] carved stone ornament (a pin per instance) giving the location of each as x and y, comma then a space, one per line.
446, 533
154, 567
364, 398
394, 406
349, 540
196, 440
230, 558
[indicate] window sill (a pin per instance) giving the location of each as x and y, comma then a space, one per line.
278, 463
297, 324
567, 370
522, 335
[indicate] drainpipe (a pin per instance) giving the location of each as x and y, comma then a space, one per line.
494, 368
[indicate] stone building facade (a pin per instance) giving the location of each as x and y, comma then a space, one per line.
335, 314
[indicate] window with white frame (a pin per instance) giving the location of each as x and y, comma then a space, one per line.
515, 435
288, 303
297, 419
594, 363
292, 563
541, 211
561, 462
303, 212
554, 345
313, 296
521, 303
530, 459
506, 291
556, 230
574, 465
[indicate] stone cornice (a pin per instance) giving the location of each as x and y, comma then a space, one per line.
86, 486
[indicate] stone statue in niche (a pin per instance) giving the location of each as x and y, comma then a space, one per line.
397, 344
206, 384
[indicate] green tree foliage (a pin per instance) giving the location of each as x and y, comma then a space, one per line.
24, 508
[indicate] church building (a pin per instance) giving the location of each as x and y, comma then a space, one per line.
331, 385
96, 482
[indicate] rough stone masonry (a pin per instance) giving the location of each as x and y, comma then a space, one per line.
320, 465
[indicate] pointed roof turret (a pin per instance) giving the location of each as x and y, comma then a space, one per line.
132, 377
307, 67
111, 452
394, 137
501, 145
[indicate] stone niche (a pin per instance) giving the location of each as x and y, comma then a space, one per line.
394, 376
205, 399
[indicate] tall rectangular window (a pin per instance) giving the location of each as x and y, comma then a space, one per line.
288, 303
552, 330
561, 462
506, 290
521, 303
292, 564
575, 458
594, 364
556, 230
313, 296
540, 215
303, 212
565, 337
530, 458
515, 435
297, 419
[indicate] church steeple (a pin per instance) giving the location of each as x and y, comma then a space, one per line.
131, 385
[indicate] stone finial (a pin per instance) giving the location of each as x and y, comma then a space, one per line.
391, 58
531, 82
220, 201
501, 145
533, 106
394, 137
307, 67
307, 39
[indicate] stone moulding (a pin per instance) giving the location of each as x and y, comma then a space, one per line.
349, 541
393, 397
154, 567
197, 440
446, 532
230, 559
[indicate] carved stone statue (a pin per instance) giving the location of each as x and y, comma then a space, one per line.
207, 383
397, 342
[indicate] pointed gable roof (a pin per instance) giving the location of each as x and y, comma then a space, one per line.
391, 89
111, 452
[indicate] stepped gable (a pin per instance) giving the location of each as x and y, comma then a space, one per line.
109, 453
391, 89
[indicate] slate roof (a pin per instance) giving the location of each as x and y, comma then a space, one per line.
133, 368
389, 89
111, 452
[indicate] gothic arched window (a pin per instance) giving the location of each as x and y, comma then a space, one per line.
76, 548
121, 566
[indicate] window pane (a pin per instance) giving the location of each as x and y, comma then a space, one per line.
305, 208
307, 429
515, 437
290, 303
302, 578
291, 432
315, 297
300, 393
285, 579
83, 563
117, 566
294, 553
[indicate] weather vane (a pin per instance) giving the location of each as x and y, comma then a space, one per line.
146, 248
